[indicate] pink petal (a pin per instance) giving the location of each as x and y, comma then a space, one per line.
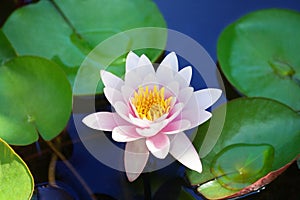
112, 95
183, 150
153, 129
131, 61
105, 121
110, 80
175, 111
184, 76
176, 127
207, 97
158, 145
139, 122
135, 158
170, 61
125, 134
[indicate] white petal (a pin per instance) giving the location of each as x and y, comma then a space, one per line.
170, 61
133, 80
125, 134
127, 93
122, 110
159, 145
105, 121
164, 75
183, 150
135, 158
207, 97
184, 76
131, 61
176, 127
185, 95
110, 80
173, 87
195, 119
150, 79
113, 95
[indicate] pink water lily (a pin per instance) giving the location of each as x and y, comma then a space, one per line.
151, 111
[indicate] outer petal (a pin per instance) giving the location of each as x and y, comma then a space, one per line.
135, 158
170, 61
207, 97
195, 120
183, 150
113, 95
105, 121
125, 134
159, 145
185, 94
131, 61
110, 80
184, 76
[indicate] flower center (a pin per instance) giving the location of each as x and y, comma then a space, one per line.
151, 104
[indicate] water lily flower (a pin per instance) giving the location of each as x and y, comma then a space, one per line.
152, 109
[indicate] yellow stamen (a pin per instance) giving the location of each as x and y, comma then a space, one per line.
151, 104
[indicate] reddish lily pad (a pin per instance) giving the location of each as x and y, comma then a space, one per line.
258, 122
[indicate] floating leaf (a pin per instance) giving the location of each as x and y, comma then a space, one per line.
259, 55
239, 165
35, 97
66, 32
6, 50
251, 121
15, 177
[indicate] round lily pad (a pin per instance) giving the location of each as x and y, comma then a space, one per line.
66, 32
250, 163
35, 98
259, 55
253, 126
15, 177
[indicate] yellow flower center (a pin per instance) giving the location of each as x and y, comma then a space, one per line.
151, 104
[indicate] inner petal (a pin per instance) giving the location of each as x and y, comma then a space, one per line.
150, 103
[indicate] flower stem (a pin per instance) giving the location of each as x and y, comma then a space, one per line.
71, 168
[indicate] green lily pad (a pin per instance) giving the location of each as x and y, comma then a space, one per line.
250, 163
259, 55
15, 177
66, 32
261, 125
6, 50
35, 98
